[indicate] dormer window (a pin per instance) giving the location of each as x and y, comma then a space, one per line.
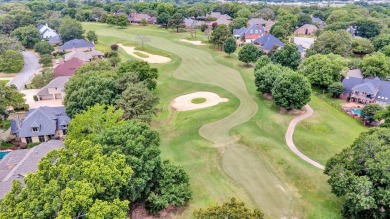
64, 126
35, 129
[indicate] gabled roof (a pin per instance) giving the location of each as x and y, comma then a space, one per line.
254, 29
44, 118
317, 20
224, 19
68, 68
239, 32
257, 21
138, 17
17, 164
308, 26
40, 27
268, 41
366, 88
55, 40
75, 44
84, 56
351, 83
58, 83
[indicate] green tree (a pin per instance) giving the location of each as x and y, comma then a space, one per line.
362, 46
336, 89
288, 56
376, 65
368, 28
121, 21
41, 80
145, 73
267, 13
385, 115
249, 53
244, 13
381, 41
279, 31
79, 178
28, 36
261, 62
11, 61
43, 47
229, 46
291, 91
70, 29
165, 8
233, 210
238, 22
337, 42
370, 112
46, 60
8, 43
137, 102
323, 70
111, 20
304, 19
163, 19
219, 35
9, 96
88, 89
386, 50
144, 22
176, 21
92, 36
360, 174
266, 76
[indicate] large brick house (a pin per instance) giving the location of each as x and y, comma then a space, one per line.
367, 90
307, 29
249, 34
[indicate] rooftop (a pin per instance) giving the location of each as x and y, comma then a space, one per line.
58, 83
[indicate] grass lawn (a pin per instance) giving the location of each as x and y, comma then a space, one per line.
140, 54
198, 100
236, 148
5, 124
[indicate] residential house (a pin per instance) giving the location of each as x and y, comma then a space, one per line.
41, 125
56, 40
76, 44
306, 29
268, 42
249, 34
367, 90
260, 21
17, 164
54, 90
320, 23
189, 22
68, 68
46, 32
84, 56
138, 17
224, 19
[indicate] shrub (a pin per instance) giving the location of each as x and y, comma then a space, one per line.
11, 61
35, 98
45, 60
336, 89
114, 47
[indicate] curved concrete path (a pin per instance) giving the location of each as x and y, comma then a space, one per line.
30, 68
290, 133
239, 162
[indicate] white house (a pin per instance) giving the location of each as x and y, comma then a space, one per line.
46, 31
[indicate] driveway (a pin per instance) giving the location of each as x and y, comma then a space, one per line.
36, 104
30, 68
304, 41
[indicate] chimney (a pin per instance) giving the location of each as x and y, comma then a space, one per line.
378, 86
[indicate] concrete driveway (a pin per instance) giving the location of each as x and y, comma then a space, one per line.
30, 68
35, 104
304, 41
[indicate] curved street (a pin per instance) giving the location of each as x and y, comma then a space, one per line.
30, 68
289, 137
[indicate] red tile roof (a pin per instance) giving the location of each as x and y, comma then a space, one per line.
68, 68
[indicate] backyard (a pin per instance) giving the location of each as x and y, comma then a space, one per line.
237, 148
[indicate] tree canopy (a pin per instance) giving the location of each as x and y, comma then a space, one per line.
11, 61
370, 112
362, 46
9, 96
145, 73
249, 53
43, 47
219, 35
176, 21
229, 46
360, 174
368, 28
338, 42
28, 36
266, 76
70, 29
376, 65
288, 56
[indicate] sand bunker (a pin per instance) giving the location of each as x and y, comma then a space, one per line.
198, 43
156, 59
183, 103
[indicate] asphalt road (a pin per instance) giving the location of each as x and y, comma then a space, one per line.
30, 68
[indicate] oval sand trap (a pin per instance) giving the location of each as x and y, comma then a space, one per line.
198, 42
183, 103
155, 59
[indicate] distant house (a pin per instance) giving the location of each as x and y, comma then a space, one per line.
17, 164
249, 34
56, 40
77, 44
46, 31
318, 21
68, 68
367, 90
41, 125
306, 29
260, 21
224, 19
188, 22
268, 42
138, 17
84, 56
54, 90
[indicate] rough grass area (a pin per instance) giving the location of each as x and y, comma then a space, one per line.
141, 54
198, 100
245, 154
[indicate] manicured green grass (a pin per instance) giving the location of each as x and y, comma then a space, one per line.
198, 100
5, 124
141, 54
258, 168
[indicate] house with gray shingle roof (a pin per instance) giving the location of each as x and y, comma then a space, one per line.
77, 44
17, 164
249, 34
54, 90
367, 90
268, 42
318, 21
41, 125
56, 40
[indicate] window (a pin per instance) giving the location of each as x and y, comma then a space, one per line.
28, 140
41, 138
64, 126
35, 129
64, 132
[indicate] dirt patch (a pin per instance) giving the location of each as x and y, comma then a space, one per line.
155, 59
197, 42
184, 103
